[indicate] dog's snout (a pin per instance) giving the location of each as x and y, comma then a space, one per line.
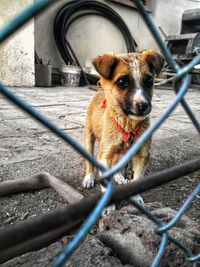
142, 107
141, 102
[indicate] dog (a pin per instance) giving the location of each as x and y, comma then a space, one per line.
121, 111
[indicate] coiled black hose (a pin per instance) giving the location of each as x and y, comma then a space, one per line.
76, 9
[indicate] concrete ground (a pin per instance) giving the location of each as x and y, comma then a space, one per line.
27, 148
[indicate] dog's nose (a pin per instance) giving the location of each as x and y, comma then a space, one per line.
142, 107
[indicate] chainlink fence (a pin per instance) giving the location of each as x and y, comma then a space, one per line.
181, 84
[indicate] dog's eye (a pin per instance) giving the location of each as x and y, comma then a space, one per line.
148, 80
122, 82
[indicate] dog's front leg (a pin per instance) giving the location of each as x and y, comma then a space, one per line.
104, 156
89, 140
118, 177
140, 161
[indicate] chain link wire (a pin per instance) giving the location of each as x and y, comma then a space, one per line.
181, 77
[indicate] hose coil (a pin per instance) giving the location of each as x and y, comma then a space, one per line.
79, 8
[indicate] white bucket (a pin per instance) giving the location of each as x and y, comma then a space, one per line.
70, 75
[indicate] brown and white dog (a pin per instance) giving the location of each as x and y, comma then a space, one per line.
121, 110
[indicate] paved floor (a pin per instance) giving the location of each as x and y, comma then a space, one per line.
22, 139
19, 133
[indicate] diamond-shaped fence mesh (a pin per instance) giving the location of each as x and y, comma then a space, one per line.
181, 84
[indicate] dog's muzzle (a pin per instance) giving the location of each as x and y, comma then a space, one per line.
143, 108
139, 109
141, 103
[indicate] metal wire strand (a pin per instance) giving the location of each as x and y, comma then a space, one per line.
154, 219
161, 251
24, 17
86, 227
168, 56
194, 258
181, 211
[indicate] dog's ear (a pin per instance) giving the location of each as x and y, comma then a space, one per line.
154, 60
105, 65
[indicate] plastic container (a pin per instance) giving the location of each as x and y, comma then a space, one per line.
70, 75
43, 75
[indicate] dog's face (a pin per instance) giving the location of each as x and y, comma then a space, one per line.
128, 80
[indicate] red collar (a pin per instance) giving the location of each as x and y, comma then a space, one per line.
126, 135
104, 104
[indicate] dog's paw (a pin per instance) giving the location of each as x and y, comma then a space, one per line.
108, 210
138, 199
119, 178
88, 181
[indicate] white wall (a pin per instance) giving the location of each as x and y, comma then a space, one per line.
17, 53
166, 13
94, 35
